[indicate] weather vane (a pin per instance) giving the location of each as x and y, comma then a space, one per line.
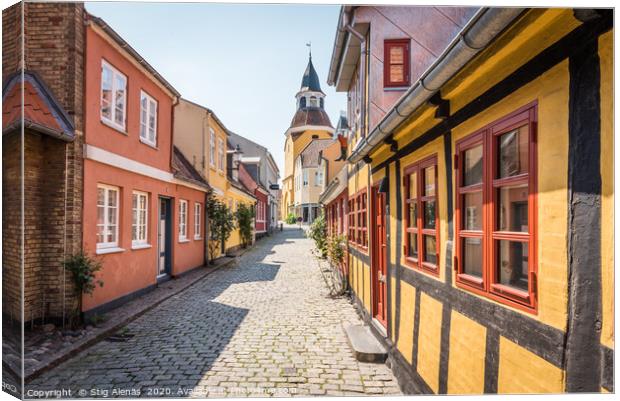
309, 44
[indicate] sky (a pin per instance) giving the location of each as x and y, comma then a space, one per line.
245, 62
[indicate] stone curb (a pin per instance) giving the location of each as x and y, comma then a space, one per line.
88, 342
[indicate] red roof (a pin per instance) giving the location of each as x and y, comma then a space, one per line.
41, 111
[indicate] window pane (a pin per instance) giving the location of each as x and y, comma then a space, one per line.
397, 55
100, 212
100, 234
397, 73
112, 198
430, 249
429, 214
412, 250
413, 186
106, 92
513, 152
429, 181
472, 211
513, 264
512, 204
119, 116
472, 166
472, 256
100, 196
413, 214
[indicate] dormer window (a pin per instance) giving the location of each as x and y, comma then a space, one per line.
396, 63
314, 102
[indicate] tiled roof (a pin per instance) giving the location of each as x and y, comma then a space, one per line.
310, 116
41, 110
310, 154
183, 169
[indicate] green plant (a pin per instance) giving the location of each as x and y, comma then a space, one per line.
221, 224
318, 232
336, 249
291, 218
245, 216
83, 269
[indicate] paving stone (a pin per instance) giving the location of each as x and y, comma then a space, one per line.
261, 327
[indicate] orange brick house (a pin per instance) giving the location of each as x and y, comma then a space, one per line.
143, 202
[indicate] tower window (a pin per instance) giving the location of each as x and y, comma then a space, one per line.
321, 101
314, 102
302, 102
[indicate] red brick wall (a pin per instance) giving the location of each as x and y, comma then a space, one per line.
54, 46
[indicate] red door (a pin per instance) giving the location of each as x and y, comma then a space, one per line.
379, 257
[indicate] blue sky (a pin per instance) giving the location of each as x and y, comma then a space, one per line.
245, 62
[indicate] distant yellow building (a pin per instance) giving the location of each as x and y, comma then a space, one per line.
203, 139
309, 122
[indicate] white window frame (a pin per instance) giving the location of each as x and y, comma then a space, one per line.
182, 220
212, 148
136, 219
107, 189
112, 120
151, 109
305, 177
220, 165
197, 220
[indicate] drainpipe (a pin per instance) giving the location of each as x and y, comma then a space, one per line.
205, 168
476, 36
363, 60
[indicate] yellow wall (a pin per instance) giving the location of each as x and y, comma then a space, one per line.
292, 148
467, 355
521, 372
607, 207
236, 196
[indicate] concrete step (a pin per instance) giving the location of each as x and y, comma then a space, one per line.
365, 345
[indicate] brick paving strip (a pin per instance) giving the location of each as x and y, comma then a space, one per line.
113, 321
265, 326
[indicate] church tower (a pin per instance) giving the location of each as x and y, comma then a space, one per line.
309, 123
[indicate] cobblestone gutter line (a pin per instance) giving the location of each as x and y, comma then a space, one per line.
121, 316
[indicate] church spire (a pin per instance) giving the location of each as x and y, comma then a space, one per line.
310, 80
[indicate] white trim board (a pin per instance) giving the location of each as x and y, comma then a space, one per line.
115, 160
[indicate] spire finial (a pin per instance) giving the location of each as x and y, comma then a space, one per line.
309, 44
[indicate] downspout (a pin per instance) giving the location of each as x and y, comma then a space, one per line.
481, 30
363, 57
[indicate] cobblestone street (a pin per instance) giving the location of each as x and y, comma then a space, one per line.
263, 326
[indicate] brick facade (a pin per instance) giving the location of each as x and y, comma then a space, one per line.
54, 50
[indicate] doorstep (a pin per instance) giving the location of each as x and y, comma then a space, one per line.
113, 320
364, 344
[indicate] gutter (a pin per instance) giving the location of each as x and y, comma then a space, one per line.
480, 31
28, 124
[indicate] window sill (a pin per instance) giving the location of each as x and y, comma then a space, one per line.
395, 88
183, 240
104, 251
115, 127
197, 238
140, 246
149, 144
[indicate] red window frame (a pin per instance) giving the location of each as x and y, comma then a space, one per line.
421, 199
388, 44
488, 285
351, 221
362, 220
